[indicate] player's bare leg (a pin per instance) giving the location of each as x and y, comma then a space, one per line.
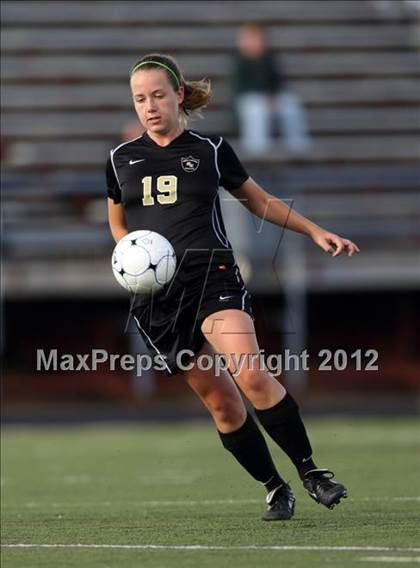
219, 394
240, 435
232, 332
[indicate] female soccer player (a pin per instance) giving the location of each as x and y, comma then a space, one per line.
167, 181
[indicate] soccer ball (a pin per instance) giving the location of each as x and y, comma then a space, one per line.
143, 262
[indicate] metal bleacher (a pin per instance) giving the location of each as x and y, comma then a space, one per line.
65, 98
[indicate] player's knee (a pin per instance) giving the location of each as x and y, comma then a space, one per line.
228, 413
253, 381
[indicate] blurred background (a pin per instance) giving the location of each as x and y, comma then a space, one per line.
340, 103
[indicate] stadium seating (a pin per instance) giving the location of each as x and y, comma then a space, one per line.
65, 98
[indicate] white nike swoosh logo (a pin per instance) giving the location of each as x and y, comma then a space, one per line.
225, 297
131, 162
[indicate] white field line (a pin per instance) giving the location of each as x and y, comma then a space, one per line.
185, 503
391, 559
32, 504
390, 499
210, 547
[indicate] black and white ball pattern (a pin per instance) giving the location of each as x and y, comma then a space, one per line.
143, 262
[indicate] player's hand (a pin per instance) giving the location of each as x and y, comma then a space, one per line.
333, 244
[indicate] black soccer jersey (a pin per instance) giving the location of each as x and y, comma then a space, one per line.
173, 190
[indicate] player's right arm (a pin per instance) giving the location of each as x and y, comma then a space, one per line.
116, 219
116, 214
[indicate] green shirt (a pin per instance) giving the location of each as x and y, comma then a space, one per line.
256, 75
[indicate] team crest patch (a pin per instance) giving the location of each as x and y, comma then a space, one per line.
190, 164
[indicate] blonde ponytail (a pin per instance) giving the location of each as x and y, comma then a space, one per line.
197, 96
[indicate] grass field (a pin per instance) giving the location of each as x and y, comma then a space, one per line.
174, 487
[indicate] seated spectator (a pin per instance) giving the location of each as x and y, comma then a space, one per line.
260, 92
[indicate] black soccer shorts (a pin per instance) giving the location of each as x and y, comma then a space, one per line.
171, 321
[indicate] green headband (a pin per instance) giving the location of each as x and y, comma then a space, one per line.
156, 63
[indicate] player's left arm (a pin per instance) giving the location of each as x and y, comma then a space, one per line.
274, 210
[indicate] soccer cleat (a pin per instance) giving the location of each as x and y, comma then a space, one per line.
280, 504
322, 488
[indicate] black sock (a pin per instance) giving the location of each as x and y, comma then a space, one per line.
248, 446
284, 424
